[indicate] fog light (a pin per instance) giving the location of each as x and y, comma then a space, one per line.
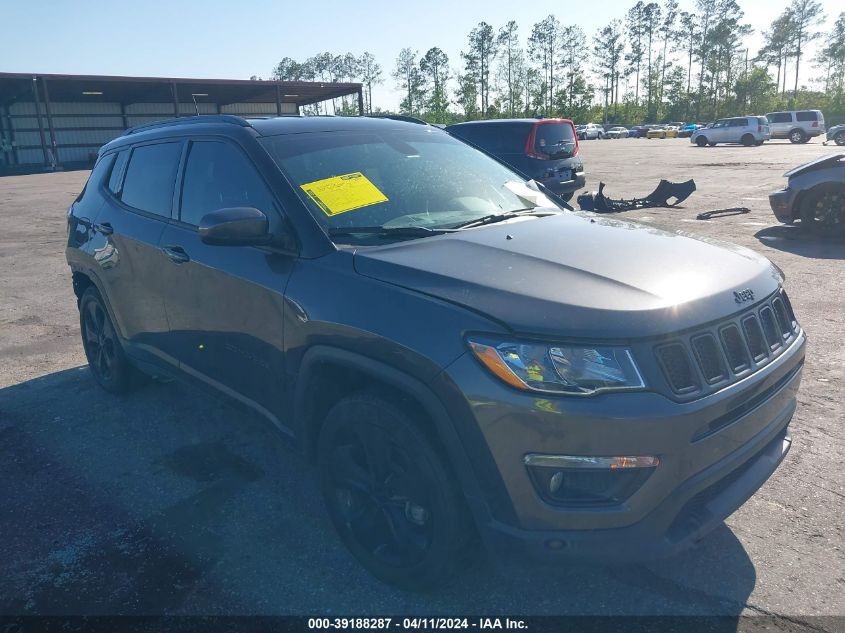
578, 480
586, 461
555, 481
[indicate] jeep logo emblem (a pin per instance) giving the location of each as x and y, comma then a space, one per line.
741, 296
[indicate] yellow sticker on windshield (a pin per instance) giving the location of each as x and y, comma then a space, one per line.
340, 194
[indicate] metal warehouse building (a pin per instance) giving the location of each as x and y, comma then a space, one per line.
60, 121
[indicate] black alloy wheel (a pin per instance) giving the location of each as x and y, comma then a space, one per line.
106, 359
390, 496
823, 212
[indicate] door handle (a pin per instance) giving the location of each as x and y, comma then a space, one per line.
105, 228
176, 254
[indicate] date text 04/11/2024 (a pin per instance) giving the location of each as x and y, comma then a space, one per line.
415, 623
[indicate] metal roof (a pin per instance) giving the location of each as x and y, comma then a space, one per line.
106, 88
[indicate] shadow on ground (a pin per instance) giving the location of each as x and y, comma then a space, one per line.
170, 502
793, 240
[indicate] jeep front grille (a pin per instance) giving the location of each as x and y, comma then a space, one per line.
677, 368
718, 355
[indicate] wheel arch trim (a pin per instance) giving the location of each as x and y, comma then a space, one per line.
404, 383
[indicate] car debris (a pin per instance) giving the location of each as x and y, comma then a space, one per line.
722, 212
598, 202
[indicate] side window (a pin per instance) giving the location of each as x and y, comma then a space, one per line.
780, 117
806, 116
217, 176
116, 178
88, 195
151, 177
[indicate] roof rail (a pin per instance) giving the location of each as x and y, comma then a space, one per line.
397, 117
204, 118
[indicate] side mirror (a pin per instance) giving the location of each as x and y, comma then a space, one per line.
235, 226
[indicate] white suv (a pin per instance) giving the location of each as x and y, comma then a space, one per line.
591, 131
798, 126
747, 130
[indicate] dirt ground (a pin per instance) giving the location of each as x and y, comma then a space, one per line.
171, 502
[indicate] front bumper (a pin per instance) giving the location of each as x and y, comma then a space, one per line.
700, 479
695, 508
782, 205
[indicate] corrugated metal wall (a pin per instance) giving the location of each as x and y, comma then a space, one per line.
82, 128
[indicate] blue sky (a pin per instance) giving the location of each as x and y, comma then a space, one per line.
234, 40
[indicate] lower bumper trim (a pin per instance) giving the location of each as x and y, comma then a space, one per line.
697, 506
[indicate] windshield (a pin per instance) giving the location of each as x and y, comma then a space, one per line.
397, 178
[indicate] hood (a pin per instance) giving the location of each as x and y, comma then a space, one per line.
819, 163
577, 275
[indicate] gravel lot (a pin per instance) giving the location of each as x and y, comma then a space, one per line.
171, 502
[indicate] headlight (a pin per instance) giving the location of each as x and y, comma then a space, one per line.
564, 369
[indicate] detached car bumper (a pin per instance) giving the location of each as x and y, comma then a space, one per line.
782, 203
714, 453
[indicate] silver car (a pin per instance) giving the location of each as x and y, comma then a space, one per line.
745, 130
616, 132
799, 126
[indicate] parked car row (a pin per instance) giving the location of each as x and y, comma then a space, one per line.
799, 126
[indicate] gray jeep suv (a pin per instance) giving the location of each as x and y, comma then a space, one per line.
464, 360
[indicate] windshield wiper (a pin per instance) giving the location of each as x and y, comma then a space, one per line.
498, 217
398, 231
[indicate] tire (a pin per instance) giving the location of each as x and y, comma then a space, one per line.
390, 495
823, 210
839, 139
712, 143
106, 359
747, 140
701, 141
798, 136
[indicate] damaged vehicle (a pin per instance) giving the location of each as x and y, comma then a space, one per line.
836, 134
814, 195
463, 361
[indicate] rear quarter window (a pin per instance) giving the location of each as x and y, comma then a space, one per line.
151, 177
87, 199
807, 116
116, 177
